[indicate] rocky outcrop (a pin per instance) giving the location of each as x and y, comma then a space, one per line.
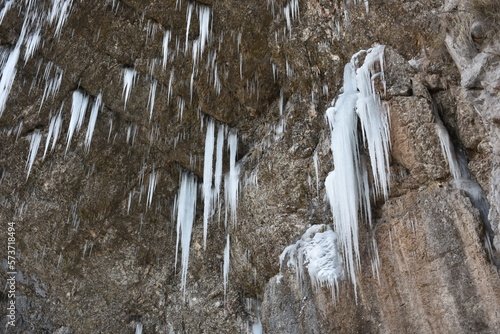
91, 248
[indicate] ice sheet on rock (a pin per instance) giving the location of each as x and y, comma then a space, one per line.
317, 251
448, 150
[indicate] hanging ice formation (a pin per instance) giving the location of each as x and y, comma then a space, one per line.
78, 109
218, 164
153, 180
54, 131
35, 139
8, 75
207, 177
291, 11
231, 182
225, 270
128, 81
317, 250
166, 40
96, 106
186, 209
347, 186
151, 98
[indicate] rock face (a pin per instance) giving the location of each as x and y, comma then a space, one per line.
96, 226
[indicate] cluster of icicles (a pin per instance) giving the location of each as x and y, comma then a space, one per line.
185, 202
347, 186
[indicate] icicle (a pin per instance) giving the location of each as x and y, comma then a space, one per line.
151, 99
5, 9
204, 14
186, 209
218, 162
166, 40
8, 75
189, 13
374, 120
153, 179
207, 177
347, 186
78, 109
51, 85
170, 86
316, 169
226, 265
35, 139
60, 11
32, 43
129, 75
281, 102
291, 11
317, 250
54, 131
231, 182
93, 118
181, 103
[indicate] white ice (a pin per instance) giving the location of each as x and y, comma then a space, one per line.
166, 41
151, 98
207, 177
186, 210
78, 109
226, 264
317, 250
448, 150
59, 12
347, 186
52, 85
5, 9
153, 180
8, 75
54, 131
35, 139
96, 106
231, 182
129, 75
32, 44
218, 163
